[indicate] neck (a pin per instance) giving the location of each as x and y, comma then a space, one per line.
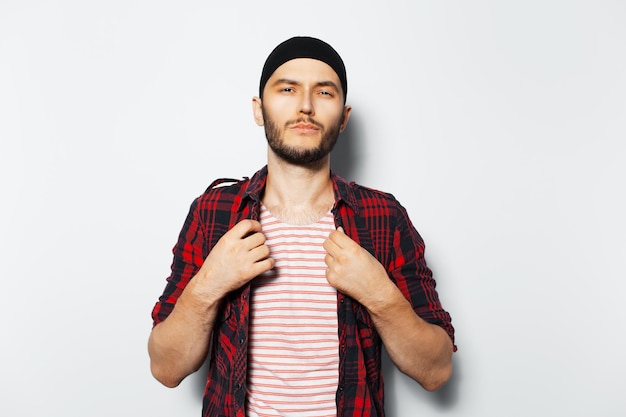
298, 194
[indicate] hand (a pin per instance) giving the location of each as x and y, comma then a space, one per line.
352, 269
239, 256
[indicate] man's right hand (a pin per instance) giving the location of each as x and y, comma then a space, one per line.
239, 256
178, 346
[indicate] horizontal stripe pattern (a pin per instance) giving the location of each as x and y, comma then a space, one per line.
293, 342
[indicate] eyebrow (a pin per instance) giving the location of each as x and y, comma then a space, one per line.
294, 82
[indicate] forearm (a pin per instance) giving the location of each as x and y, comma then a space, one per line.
419, 349
178, 346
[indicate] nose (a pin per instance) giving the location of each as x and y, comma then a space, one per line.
306, 104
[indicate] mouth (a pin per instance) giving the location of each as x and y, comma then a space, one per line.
304, 127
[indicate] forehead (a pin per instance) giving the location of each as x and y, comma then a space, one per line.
305, 69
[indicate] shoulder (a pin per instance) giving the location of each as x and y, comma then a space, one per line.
367, 197
227, 186
228, 189
366, 201
223, 191
379, 207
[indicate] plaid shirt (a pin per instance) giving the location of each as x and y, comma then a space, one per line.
373, 219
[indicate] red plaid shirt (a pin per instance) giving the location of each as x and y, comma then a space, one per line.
373, 219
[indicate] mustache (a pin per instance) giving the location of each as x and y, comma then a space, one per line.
306, 120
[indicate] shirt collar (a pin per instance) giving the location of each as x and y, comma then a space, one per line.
343, 190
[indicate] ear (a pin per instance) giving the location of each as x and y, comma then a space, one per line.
257, 111
345, 117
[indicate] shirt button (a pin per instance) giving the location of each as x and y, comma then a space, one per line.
241, 341
238, 386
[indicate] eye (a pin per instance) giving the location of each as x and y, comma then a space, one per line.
326, 93
287, 89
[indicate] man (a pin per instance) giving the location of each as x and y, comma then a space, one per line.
294, 279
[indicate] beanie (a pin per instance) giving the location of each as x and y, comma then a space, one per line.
304, 47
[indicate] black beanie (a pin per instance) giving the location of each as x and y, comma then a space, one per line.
304, 47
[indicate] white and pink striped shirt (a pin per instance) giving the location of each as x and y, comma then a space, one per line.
293, 364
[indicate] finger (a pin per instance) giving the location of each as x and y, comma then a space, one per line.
254, 240
339, 238
259, 253
246, 227
331, 247
262, 266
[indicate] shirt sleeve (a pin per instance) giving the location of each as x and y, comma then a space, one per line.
188, 258
413, 277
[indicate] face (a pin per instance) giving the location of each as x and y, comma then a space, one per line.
302, 111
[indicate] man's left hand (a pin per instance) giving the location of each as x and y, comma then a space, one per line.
352, 270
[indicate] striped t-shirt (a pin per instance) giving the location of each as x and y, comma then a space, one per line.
293, 364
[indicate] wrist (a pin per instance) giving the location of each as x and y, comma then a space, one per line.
201, 295
383, 297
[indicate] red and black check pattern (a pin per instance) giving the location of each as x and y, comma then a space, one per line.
373, 219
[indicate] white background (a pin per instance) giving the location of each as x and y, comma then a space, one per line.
498, 124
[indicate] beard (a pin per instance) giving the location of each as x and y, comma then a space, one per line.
298, 155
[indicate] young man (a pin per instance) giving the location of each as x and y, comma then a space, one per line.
294, 279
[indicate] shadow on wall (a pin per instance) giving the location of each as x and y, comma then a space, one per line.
344, 158
198, 381
443, 399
